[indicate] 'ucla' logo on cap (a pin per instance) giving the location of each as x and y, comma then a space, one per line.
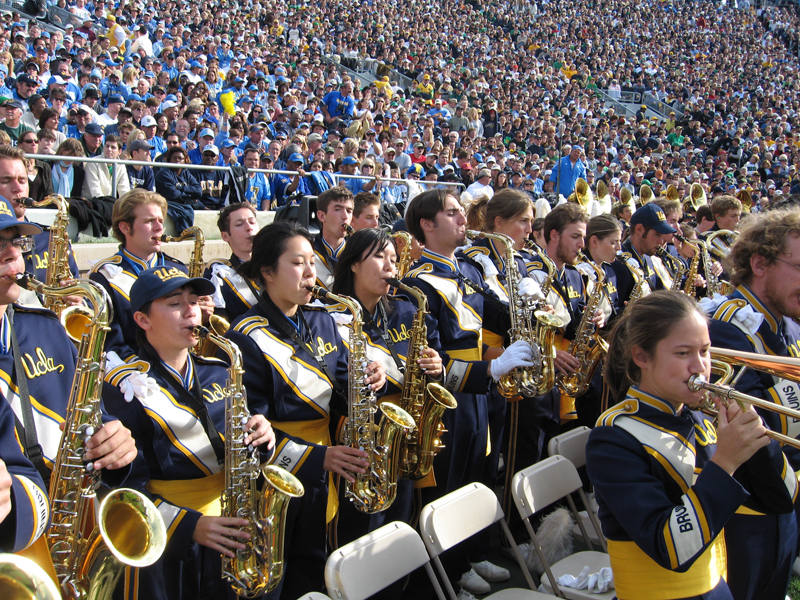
165, 274
5, 209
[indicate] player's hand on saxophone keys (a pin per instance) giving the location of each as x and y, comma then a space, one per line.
430, 362
376, 376
518, 354
259, 432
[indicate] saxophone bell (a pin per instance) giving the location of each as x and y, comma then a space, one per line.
23, 579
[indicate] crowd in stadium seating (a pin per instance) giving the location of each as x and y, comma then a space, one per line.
487, 94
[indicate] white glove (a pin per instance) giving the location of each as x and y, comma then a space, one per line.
530, 289
518, 354
586, 269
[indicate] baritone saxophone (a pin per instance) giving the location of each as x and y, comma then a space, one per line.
425, 402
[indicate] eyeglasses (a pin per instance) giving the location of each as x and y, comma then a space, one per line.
23, 244
29, 141
778, 259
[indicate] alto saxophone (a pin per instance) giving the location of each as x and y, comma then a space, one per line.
639, 279
129, 530
587, 346
376, 489
258, 568
425, 403
694, 265
405, 260
676, 266
196, 264
58, 254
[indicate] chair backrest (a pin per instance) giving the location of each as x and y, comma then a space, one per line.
458, 515
369, 564
571, 445
542, 484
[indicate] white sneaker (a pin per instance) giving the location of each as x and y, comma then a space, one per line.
465, 595
491, 572
474, 583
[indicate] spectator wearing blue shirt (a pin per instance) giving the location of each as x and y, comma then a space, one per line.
348, 167
205, 138
339, 104
566, 173
259, 191
158, 145
255, 139
439, 114
288, 185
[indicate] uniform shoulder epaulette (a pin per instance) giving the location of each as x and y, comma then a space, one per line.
420, 270
475, 250
211, 360
39, 310
218, 261
247, 325
173, 259
111, 260
629, 406
120, 372
726, 311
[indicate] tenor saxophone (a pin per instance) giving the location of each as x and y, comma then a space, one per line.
376, 488
196, 264
129, 530
587, 346
677, 267
639, 279
405, 260
258, 568
425, 403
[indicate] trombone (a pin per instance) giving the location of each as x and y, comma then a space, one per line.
724, 360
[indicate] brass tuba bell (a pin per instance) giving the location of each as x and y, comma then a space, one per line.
697, 195
582, 194
746, 199
672, 193
645, 194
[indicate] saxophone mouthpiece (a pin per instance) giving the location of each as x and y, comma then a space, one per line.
200, 331
22, 279
27, 202
393, 281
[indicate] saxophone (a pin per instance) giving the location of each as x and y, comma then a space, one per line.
129, 530
376, 489
405, 260
523, 381
196, 264
424, 403
258, 568
676, 266
588, 347
694, 265
639, 280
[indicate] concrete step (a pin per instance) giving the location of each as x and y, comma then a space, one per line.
86, 255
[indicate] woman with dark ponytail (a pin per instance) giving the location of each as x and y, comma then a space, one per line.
667, 480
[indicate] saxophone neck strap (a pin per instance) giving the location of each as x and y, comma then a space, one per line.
288, 329
33, 450
493, 300
193, 399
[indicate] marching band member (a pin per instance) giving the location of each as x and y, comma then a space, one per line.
334, 211
649, 231
457, 298
760, 316
138, 224
24, 507
173, 403
727, 212
364, 265
296, 373
234, 294
666, 479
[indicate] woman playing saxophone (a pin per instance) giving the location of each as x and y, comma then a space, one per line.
296, 374
173, 402
362, 273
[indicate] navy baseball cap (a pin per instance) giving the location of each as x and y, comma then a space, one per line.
8, 219
93, 129
115, 99
156, 283
652, 217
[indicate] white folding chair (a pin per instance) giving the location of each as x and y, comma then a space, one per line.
539, 486
375, 561
572, 446
459, 515
314, 596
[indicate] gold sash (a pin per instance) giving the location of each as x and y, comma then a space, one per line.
202, 495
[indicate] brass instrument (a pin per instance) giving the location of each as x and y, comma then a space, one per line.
625, 197
376, 489
348, 230
676, 266
523, 381
582, 194
645, 194
721, 251
425, 403
639, 280
74, 318
23, 579
130, 530
587, 346
258, 568
697, 197
694, 265
196, 264
746, 199
405, 260
546, 324
672, 193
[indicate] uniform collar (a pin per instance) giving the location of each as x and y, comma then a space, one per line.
186, 379
333, 253
440, 261
139, 264
775, 324
650, 400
